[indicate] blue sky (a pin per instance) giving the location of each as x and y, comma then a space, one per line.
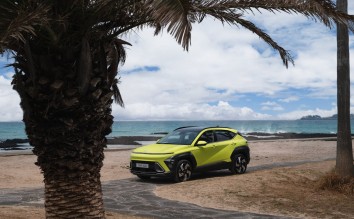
227, 74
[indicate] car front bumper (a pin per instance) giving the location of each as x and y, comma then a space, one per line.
150, 168
141, 173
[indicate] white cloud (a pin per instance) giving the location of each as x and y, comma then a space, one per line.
227, 58
9, 75
269, 103
223, 65
9, 102
229, 62
289, 99
271, 106
221, 111
300, 113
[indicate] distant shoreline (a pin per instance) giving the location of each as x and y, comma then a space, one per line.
276, 136
252, 127
23, 144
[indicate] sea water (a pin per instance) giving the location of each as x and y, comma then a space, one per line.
12, 130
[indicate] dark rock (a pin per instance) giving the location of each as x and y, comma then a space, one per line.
131, 140
12, 143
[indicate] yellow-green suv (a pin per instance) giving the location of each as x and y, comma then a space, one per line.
191, 149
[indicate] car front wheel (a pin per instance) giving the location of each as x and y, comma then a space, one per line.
238, 164
183, 171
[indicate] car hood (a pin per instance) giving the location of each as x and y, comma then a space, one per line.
160, 149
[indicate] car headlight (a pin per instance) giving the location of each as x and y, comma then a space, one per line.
170, 162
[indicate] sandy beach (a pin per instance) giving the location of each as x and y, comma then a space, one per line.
280, 181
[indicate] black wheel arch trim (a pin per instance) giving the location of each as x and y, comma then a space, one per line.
245, 150
188, 156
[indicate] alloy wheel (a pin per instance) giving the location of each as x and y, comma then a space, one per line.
239, 164
183, 171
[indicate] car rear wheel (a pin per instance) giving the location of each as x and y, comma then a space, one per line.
183, 171
238, 164
143, 177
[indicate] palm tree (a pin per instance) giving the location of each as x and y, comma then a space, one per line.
67, 55
344, 160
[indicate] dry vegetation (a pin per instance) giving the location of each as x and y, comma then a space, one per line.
333, 182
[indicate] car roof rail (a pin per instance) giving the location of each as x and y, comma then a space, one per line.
191, 126
223, 127
202, 128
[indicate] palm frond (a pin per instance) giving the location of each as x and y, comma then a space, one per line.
176, 16
116, 56
231, 17
231, 12
323, 11
179, 15
284, 54
30, 63
18, 19
85, 66
116, 93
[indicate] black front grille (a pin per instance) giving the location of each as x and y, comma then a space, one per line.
150, 169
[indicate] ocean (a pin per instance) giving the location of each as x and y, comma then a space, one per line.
15, 130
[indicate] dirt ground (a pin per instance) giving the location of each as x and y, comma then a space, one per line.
24, 212
288, 191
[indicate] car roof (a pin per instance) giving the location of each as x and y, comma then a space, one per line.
200, 128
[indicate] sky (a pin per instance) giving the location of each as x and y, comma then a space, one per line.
229, 73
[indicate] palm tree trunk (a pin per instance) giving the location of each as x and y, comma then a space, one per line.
67, 129
344, 160
72, 198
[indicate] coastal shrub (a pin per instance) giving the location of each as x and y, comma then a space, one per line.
333, 182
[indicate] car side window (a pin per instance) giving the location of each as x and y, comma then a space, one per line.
188, 137
207, 136
223, 135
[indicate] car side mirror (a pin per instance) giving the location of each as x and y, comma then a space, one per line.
201, 143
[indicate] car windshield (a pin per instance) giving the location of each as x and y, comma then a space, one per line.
179, 137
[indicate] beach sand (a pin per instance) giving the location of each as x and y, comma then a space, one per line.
265, 188
19, 171
287, 191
